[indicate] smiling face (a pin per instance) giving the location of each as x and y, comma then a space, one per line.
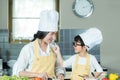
49, 37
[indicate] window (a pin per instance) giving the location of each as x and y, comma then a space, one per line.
24, 17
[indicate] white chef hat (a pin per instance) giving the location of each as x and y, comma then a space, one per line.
48, 21
91, 37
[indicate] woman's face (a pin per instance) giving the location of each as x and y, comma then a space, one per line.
49, 37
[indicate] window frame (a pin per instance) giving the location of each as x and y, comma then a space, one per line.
10, 23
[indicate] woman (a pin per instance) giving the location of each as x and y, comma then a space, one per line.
37, 59
83, 63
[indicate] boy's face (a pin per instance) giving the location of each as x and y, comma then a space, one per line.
77, 47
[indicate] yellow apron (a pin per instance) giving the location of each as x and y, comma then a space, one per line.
80, 69
43, 63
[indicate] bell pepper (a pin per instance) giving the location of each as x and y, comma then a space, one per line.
113, 76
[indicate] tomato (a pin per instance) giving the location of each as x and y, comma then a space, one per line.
105, 79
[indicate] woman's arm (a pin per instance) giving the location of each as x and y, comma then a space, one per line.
56, 49
21, 62
67, 62
28, 74
24, 61
44, 75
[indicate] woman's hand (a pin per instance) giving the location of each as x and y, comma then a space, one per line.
56, 49
44, 76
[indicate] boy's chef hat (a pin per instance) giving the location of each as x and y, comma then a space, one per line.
91, 37
48, 21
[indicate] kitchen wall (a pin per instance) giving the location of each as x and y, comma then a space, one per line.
105, 17
3, 14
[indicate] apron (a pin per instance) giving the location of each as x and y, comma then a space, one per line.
80, 69
43, 63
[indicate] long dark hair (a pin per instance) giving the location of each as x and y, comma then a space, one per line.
79, 39
40, 35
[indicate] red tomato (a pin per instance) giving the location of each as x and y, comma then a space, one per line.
105, 79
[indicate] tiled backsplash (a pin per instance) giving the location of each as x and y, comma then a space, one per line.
11, 51
8, 51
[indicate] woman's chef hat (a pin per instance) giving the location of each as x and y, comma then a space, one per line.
48, 21
91, 37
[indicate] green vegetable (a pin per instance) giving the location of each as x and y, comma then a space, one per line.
13, 78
